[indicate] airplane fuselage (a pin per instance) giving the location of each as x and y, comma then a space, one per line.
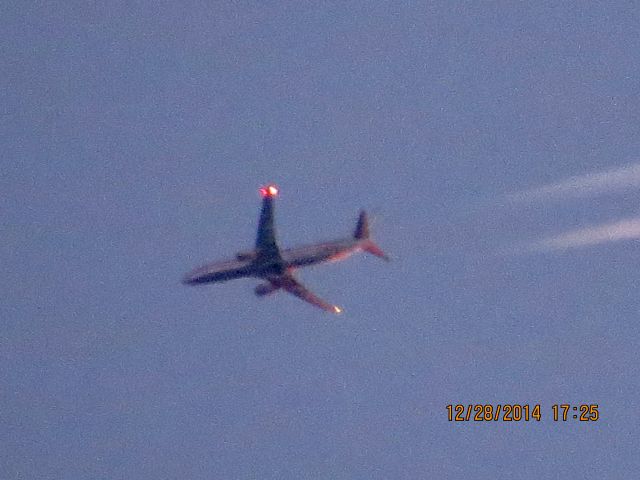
291, 258
320, 252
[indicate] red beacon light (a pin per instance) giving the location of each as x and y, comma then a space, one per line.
269, 191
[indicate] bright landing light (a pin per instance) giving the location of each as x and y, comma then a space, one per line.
337, 309
269, 191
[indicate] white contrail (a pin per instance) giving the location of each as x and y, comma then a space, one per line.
614, 180
611, 232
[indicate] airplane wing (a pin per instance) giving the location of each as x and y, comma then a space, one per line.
266, 239
217, 272
293, 286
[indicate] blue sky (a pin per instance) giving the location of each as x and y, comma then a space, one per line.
134, 139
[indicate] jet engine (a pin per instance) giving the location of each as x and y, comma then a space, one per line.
249, 255
265, 289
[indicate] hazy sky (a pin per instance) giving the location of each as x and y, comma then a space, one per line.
495, 146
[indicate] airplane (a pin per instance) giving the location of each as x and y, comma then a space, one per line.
267, 261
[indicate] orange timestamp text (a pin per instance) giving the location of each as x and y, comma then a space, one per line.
520, 412
493, 413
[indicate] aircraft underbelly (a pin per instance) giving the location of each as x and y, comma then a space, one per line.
218, 273
317, 254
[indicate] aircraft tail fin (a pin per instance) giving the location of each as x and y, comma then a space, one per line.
362, 228
362, 233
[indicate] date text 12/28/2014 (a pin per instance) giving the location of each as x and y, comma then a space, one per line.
560, 412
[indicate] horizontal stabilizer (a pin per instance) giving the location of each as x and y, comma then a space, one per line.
372, 248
